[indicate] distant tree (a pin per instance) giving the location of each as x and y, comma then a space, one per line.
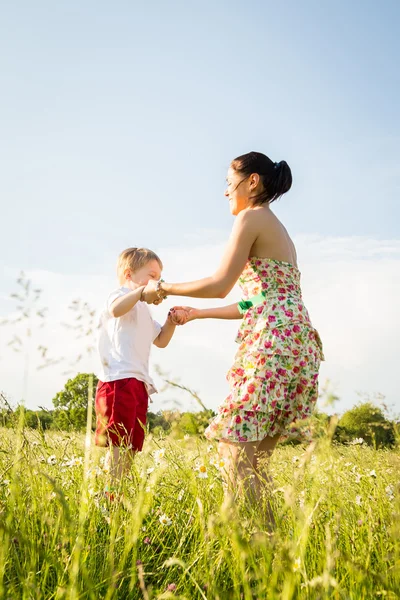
203, 418
366, 421
188, 424
157, 420
71, 403
193, 423
35, 419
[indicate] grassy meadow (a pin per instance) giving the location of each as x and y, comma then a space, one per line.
176, 534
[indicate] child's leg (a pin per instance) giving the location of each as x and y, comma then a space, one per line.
126, 418
119, 460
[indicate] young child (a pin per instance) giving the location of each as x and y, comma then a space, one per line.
126, 333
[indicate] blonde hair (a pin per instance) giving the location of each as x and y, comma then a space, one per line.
135, 259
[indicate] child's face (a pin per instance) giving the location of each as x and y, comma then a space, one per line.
142, 276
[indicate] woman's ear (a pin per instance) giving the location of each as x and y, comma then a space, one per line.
127, 274
254, 180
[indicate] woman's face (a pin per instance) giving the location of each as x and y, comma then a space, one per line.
238, 190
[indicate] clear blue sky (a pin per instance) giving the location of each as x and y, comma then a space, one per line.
118, 120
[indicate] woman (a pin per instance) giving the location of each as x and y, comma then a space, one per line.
274, 378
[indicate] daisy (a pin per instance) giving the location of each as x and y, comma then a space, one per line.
164, 520
159, 454
297, 565
221, 464
202, 472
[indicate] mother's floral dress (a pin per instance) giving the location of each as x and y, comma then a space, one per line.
274, 378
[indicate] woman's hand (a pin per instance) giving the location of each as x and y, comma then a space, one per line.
177, 316
186, 312
150, 295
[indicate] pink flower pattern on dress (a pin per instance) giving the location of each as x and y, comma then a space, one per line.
274, 378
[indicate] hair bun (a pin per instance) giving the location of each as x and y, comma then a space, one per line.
276, 176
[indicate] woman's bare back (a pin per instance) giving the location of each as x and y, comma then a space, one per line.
273, 241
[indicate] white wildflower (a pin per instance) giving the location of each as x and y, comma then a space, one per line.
210, 448
297, 565
358, 478
372, 473
164, 520
295, 459
389, 489
202, 469
52, 460
221, 464
180, 495
358, 500
159, 454
150, 470
357, 441
73, 462
186, 436
214, 460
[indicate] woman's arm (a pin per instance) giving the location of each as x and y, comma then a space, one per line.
222, 312
244, 234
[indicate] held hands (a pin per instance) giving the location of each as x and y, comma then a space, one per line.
180, 315
152, 294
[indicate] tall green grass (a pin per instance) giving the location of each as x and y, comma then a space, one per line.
175, 534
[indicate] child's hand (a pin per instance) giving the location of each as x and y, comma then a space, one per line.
180, 315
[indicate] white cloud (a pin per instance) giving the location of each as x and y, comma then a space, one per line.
351, 287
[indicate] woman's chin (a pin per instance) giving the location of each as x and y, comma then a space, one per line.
233, 210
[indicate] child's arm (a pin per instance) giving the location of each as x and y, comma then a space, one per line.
166, 333
224, 312
122, 305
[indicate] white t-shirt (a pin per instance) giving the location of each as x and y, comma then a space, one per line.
124, 343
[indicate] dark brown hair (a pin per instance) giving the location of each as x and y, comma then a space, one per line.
276, 177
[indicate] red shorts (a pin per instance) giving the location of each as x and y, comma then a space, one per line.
121, 409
